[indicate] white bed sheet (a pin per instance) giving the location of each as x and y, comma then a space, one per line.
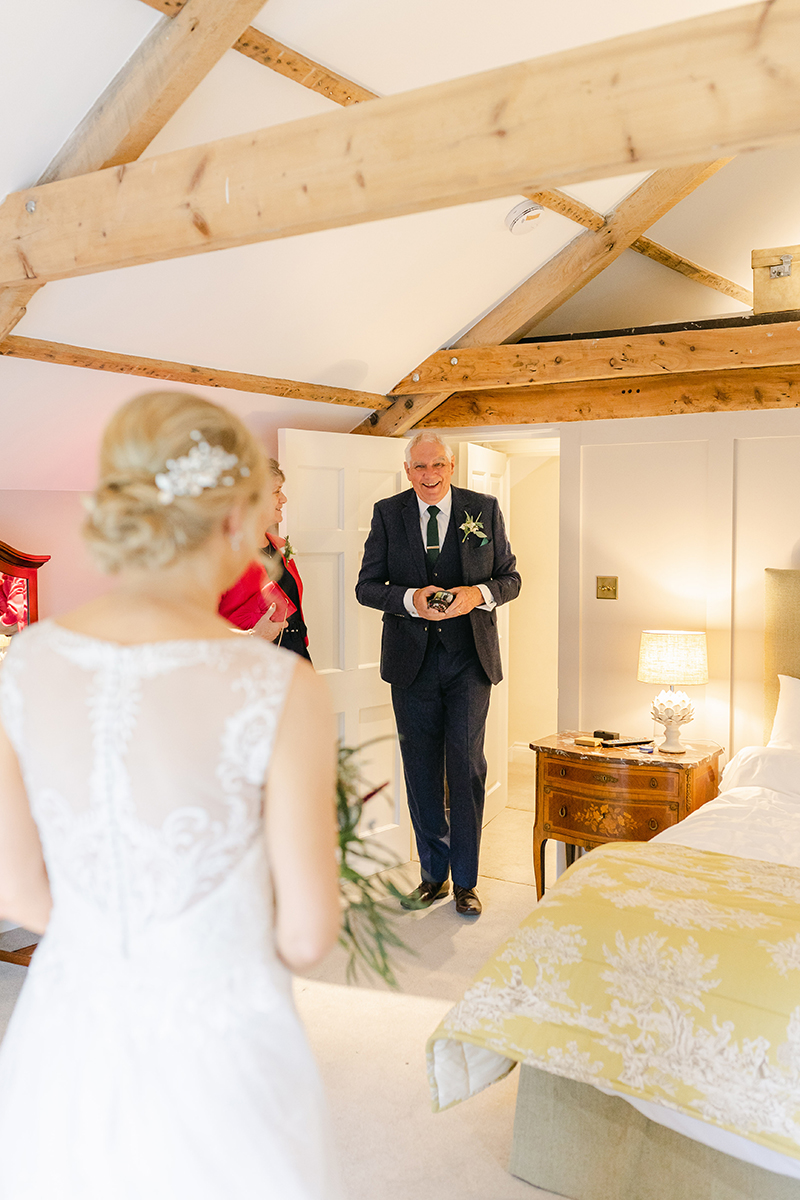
747, 822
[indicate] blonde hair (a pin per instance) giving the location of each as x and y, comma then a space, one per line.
128, 525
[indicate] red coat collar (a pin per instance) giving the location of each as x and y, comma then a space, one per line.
278, 544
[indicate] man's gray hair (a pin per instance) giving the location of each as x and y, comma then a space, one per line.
427, 436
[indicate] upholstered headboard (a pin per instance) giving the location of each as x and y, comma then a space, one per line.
781, 636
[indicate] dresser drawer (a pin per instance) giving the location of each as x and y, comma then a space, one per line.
572, 817
612, 778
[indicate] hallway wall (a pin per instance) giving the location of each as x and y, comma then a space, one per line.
533, 617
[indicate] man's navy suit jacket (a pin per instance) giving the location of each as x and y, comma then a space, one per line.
394, 560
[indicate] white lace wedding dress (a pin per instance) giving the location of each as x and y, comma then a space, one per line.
154, 1053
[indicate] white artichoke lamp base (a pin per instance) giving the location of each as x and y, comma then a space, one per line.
672, 709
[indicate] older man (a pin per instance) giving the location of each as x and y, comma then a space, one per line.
441, 664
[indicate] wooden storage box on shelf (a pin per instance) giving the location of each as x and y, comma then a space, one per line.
779, 293
586, 797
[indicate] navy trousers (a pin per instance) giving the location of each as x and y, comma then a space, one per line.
441, 718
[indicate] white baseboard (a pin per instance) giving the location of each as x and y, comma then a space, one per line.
520, 752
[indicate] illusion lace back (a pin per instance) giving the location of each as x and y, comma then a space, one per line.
154, 1053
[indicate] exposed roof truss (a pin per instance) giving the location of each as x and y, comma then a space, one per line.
737, 86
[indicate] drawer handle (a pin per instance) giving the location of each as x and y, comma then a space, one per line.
654, 783
562, 812
563, 772
653, 824
604, 779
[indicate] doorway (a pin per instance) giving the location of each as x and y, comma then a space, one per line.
523, 472
334, 480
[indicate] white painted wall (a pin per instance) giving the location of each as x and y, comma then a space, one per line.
533, 616
687, 512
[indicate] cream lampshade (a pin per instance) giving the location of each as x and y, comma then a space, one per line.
672, 656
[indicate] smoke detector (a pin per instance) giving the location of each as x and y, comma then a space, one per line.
522, 217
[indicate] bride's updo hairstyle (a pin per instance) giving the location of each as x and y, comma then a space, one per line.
132, 522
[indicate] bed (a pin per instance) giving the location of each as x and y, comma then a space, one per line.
652, 999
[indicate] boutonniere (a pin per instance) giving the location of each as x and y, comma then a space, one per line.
474, 525
288, 550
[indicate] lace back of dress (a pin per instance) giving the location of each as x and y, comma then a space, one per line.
144, 765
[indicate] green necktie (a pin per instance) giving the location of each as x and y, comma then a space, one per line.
432, 539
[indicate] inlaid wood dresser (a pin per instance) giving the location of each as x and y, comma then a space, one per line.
587, 797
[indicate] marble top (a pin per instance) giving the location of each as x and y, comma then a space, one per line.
564, 743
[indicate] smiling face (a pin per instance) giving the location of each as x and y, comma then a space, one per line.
274, 501
430, 471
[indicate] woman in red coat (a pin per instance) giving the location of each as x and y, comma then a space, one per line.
246, 606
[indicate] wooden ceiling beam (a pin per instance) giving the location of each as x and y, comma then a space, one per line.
692, 270
561, 277
582, 214
718, 83
568, 206
648, 396
291, 63
166, 68
588, 254
138, 102
667, 353
153, 368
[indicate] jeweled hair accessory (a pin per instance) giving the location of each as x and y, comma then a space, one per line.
201, 468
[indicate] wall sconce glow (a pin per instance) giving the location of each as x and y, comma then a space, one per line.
672, 656
522, 217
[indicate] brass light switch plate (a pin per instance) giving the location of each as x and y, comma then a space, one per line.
607, 587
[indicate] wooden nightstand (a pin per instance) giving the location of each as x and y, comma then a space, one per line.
588, 797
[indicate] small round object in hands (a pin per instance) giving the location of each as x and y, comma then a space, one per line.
441, 601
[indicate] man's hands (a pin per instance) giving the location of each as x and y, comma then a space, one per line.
466, 598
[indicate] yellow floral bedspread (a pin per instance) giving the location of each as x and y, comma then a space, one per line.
655, 971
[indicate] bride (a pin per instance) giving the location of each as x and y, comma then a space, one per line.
167, 817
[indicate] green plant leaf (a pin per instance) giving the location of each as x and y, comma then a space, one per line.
368, 922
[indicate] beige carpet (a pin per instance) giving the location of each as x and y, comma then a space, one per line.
371, 1050
370, 1042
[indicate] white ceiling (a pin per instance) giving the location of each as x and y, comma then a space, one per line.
359, 306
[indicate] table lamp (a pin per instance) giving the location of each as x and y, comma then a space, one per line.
672, 656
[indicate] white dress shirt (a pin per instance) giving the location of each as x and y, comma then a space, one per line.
445, 507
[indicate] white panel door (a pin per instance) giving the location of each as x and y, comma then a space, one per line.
484, 470
332, 482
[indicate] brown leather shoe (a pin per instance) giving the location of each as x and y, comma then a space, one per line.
467, 902
424, 895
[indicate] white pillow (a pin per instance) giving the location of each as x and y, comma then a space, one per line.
771, 767
786, 726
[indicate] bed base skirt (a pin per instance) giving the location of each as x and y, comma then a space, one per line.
573, 1140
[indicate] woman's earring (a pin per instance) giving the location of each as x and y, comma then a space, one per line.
236, 541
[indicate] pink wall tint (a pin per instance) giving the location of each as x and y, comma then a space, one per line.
49, 523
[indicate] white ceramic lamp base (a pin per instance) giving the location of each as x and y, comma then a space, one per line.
672, 709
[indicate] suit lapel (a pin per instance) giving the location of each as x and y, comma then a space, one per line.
411, 522
458, 515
